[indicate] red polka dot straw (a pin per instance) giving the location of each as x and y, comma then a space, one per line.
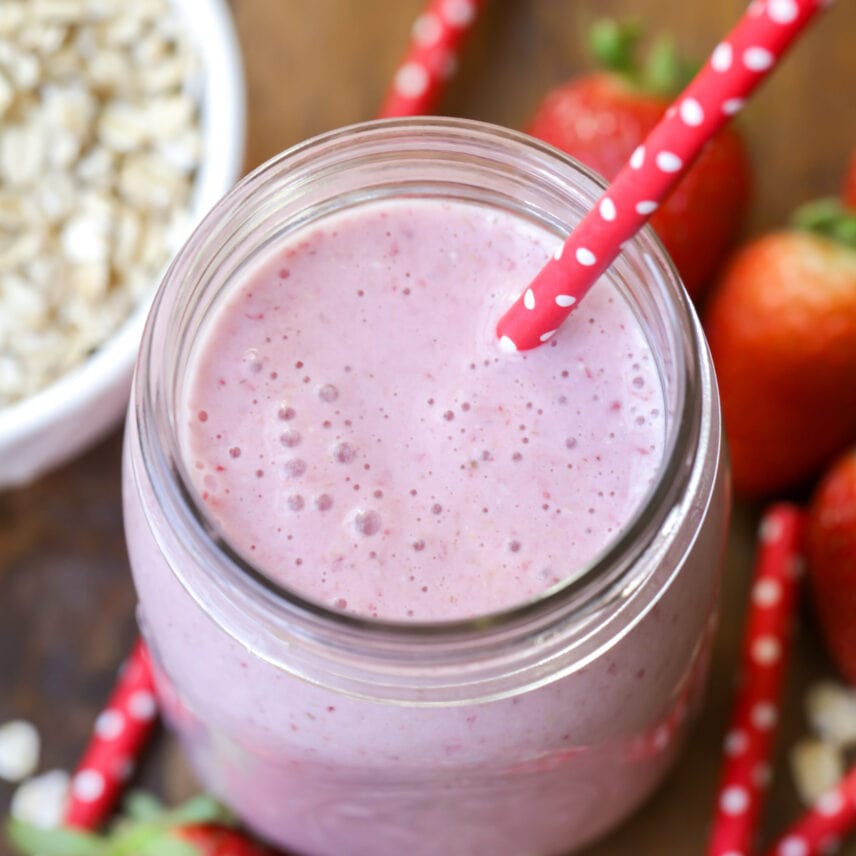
749, 740
432, 57
118, 737
737, 65
820, 830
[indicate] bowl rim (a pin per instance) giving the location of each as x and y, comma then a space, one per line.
223, 111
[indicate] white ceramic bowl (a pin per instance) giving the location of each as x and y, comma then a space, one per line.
57, 423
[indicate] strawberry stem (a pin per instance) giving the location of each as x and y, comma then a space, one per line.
613, 45
666, 72
827, 217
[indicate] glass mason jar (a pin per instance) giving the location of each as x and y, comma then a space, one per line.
531, 731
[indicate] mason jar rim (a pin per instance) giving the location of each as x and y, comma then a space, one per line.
575, 596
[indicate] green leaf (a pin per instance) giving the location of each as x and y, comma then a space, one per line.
663, 68
613, 44
33, 840
142, 806
199, 809
818, 214
827, 217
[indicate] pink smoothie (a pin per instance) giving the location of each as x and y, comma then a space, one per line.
350, 427
355, 432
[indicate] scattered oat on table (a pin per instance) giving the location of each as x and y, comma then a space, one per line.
19, 750
818, 761
817, 767
99, 143
41, 800
831, 712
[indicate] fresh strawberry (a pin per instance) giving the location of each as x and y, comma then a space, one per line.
600, 118
219, 841
848, 190
831, 558
200, 827
781, 325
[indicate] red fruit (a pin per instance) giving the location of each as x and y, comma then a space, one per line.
600, 118
848, 190
782, 331
213, 840
831, 558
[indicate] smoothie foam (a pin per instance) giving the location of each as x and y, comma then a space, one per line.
354, 431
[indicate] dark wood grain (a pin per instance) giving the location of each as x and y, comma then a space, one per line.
66, 601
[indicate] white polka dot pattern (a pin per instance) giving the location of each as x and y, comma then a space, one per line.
736, 66
437, 37
748, 744
734, 800
668, 161
427, 30
88, 785
142, 705
721, 57
758, 59
585, 257
736, 742
766, 650
110, 724
412, 80
119, 733
793, 845
691, 112
607, 209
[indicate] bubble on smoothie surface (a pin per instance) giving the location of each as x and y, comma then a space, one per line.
295, 467
344, 453
328, 393
252, 361
296, 502
290, 438
324, 502
286, 413
366, 522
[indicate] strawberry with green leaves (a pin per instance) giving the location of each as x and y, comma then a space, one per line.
200, 827
601, 117
781, 325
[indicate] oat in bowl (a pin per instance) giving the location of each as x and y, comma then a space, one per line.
120, 124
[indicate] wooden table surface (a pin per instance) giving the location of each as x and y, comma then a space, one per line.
66, 601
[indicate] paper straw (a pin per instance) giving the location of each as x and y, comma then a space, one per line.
432, 57
737, 65
120, 733
766, 643
821, 829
